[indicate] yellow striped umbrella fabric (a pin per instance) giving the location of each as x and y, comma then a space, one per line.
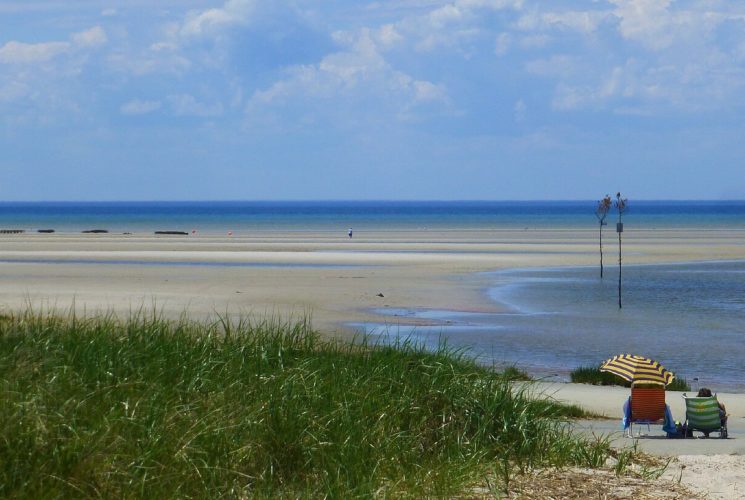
637, 369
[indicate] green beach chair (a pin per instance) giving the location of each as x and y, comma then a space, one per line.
703, 415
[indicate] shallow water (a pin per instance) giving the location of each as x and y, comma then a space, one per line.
181, 263
690, 317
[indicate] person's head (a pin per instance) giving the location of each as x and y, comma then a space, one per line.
704, 392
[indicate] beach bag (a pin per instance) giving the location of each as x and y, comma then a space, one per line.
680, 432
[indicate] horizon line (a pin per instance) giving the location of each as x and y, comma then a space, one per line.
379, 200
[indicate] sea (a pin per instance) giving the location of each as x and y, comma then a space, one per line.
238, 216
690, 316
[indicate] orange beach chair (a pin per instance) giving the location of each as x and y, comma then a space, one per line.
647, 406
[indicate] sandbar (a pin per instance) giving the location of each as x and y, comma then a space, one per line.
324, 274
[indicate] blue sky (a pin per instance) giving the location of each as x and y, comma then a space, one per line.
407, 99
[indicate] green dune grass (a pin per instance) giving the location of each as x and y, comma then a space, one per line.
593, 375
145, 407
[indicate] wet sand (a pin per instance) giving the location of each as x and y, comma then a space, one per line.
335, 279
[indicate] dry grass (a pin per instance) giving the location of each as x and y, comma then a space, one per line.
600, 484
637, 479
580, 483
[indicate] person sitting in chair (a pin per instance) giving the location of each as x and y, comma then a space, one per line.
705, 392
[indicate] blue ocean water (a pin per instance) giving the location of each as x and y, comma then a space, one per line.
333, 215
690, 317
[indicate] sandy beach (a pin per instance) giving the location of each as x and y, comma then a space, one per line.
337, 281
325, 274
714, 467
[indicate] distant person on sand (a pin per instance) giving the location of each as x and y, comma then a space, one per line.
350, 232
706, 393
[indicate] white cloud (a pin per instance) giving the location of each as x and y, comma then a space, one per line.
427, 91
633, 88
460, 10
584, 22
152, 61
387, 36
454, 24
502, 45
199, 23
172, 53
395, 54
646, 56
163, 46
646, 21
685, 32
15, 52
29, 53
47, 78
90, 38
138, 107
358, 73
445, 15
573, 97
350, 66
187, 105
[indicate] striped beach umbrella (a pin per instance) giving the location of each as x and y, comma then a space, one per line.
637, 369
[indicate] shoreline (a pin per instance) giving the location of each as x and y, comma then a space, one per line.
518, 330
337, 280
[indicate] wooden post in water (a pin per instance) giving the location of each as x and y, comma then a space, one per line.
621, 204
